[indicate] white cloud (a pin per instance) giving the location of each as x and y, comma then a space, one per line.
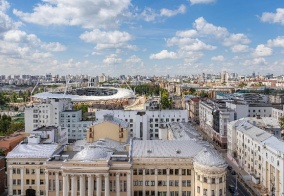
164, 54
234, 39
170, 13
239, 48
88, 14
203, 27
201, 1
108, 39
112, 59
278, 42
262, 50
256, 61
277, 17
54, 46
134, 59
189, 44
189, 33
150, 14
218, 58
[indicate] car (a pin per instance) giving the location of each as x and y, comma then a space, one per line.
229, 168
233, 172
231, 188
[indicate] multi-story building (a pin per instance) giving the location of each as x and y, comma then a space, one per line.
145, 124
72, 120
216, 113
194, 109
56, 112
2, 174
279, 98
115, 164
45, 113
277, 112
259, 153
213, 117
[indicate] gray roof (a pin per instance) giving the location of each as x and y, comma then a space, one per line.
274, 143
209, 157
33, 151
165, 148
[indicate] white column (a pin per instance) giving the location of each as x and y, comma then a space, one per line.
129, 184
90, 185
65, 184
46, 182
143, 189
117, 185
10, 177
22, 181
57, 183
82, 185
37, 172
168, 182
156, 182
180, 182
106, 185
74, 185
99, 184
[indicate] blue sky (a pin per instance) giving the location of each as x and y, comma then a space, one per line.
147, 37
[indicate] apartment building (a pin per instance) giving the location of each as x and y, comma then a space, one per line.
46, 113
259, 153
117, 165
194, 109
76, 126
145, 124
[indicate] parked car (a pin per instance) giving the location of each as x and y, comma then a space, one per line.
233, 172
231, 188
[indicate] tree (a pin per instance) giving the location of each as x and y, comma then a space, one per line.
281, 122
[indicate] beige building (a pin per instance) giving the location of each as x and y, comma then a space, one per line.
111, 164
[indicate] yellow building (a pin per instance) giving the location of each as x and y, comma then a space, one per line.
111, 164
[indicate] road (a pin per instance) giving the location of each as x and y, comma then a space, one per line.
231, 180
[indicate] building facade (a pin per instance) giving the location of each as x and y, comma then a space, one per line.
145, 124
117, 165
259, 153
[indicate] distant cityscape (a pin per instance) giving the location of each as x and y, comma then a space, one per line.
207, 134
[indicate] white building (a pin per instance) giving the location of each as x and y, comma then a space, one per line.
259, 153
45, 113
145, 124
72, 120
277, 112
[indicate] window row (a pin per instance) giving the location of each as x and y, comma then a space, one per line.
185, 183
184, 172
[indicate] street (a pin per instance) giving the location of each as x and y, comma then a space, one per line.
231, 180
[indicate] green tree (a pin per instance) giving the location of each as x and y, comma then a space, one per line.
82, 107
281, 122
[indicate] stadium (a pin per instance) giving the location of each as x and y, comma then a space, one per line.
90, 94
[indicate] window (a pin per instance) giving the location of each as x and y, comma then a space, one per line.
204, 191
152, 183
27, 171
33, 181
18, 182
27, 181
41, 182
188, 183
220, 192
198, 189
14, 182
176, 182
147, 183
212, 193
184, 183
171, 183
213, 180
198, 177
205, 179
220, 180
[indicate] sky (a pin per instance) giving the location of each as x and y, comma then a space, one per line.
141, 37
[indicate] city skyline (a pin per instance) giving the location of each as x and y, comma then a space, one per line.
141, 37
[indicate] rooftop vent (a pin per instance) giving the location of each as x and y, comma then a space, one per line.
57, 157
178, 151
149, 151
